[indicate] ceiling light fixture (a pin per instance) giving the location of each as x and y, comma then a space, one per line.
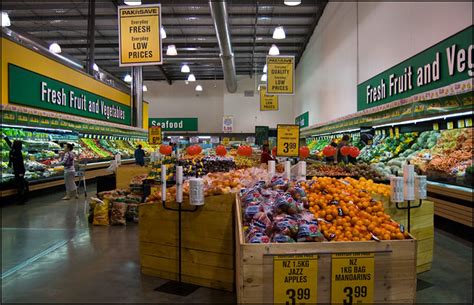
185, 69
191, 78
163, 33
274, 50
136, 2
279, 33
171, 51
127, 78
265, 68
292, 2
198, 88
95, 67
145, 89
5, 19
264, 78
54, 48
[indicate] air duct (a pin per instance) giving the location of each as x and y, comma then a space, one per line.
221, 24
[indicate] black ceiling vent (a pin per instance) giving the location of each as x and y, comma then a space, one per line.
248, 93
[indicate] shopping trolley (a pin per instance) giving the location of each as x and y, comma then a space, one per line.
81, 175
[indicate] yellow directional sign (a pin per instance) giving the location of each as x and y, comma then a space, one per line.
352, 279
280, 75
295, 279
139, 35
154, 135
268, 102
288, 138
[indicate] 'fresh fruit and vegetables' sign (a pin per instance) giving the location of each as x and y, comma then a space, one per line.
448, 62
175, 124
35, 90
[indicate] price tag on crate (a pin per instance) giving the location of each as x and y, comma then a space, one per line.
352, 279
295, 279
468, 122
460, 123
435, 126
288, 138
450, 125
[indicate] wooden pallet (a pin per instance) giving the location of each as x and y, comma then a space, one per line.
207, 243
395, 271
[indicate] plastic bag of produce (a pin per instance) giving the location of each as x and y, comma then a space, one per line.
101, 213
132, 213
285, 225
117, 215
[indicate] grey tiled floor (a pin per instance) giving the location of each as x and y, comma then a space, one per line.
50, 254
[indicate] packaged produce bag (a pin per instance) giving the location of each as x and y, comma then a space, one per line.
117, 215
101, 213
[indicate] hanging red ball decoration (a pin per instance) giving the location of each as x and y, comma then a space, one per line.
345, 150
221, 150
304, 152
354, 153
165, 149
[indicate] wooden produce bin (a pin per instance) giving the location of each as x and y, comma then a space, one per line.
125, 173
207, 242
394, 267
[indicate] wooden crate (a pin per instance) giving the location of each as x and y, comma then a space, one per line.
395, 267
447, 203
207, 243
421, 227
125, 173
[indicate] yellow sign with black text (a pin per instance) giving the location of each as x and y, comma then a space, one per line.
295, 279
139, 35
288, 138
280, 75
268, 102
352, 279
154, 135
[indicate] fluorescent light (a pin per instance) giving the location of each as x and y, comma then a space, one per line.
204, 137
292, 2
191, 78
336, 132
136, 2
279, 33
185, 69
258, 88
127, 78
274, 50
265, 68
163, 33
264, 78
95, 67
426, 119
5, 19
198, 88
54, 48
171, 51
145, 89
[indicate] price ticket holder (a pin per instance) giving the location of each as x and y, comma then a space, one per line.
176, 287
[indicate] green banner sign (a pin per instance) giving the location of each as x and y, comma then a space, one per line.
448, 62
35, 90
302, 120
175, 124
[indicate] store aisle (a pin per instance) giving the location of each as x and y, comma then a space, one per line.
49, 254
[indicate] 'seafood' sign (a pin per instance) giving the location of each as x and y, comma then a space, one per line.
139, 35
288, 137
280, 75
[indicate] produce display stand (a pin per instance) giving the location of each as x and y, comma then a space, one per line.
125, 173
394, 267
207, 242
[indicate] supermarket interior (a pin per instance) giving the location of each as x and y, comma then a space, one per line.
237, 151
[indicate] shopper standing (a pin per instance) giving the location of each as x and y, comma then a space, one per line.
16, 162
339, 156
140, 156
69, 172
266, 154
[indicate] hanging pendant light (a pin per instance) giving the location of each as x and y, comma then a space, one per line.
191, 78
127, 78
55, 48
292, 2
171, 51
136, 2
198, 88
279, 33
264, 78
274, 50
185, 69
265, 68
163, 33
5, 19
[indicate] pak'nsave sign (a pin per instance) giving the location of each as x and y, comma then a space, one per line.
448, 62
31, 89
175, 124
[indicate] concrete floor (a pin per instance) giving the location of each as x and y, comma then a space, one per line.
51, 255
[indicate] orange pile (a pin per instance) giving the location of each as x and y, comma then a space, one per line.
349, 210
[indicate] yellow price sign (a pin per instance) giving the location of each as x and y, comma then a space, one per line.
295, 279
383, 131
435, 126
390, 131
139, 35
469, 122
397, 132
288, 138
268, 102
154, 135
225, 141
352, 278
450, 125
280, 75
461, 124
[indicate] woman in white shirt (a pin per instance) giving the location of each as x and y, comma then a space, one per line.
69, 172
